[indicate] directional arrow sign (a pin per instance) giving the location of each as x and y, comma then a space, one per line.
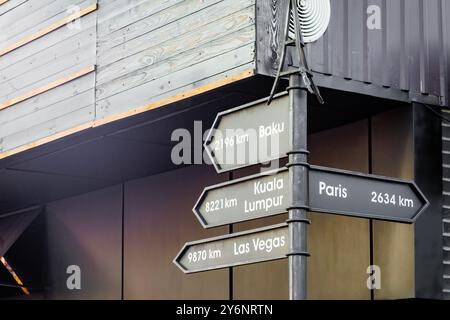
236, 249
250, 134
366, 196
244, 199
330, 191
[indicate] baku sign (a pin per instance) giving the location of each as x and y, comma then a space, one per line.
330, 191
264, 244
250, 134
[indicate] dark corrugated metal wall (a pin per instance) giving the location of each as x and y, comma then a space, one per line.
410, 52
446, 205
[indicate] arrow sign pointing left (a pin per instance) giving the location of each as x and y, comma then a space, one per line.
250, 134
264, 244
253, 197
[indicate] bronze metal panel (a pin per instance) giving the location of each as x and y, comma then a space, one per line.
339, 246
393, 252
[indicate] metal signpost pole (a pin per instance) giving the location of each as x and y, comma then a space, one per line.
298, 172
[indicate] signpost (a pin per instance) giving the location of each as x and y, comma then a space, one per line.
257, 133
250, 134
264, 244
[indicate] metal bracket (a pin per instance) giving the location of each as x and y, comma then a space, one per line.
303, 69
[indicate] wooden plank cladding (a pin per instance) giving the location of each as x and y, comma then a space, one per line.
177, 97
226, 79
147, 54
47, 87
49, 29
160, 48
9, 5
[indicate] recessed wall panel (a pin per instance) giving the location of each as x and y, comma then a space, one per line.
393, 242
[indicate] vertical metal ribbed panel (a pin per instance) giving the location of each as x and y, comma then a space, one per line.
410, 52
446, 205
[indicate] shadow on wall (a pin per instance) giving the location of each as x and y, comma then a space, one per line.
85, 232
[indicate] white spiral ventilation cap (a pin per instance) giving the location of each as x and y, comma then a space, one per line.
314, 16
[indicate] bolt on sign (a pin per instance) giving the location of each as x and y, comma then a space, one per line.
250, 134
264, 244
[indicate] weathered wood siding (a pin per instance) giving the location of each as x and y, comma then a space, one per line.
47, 83
128, 56
155, 49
